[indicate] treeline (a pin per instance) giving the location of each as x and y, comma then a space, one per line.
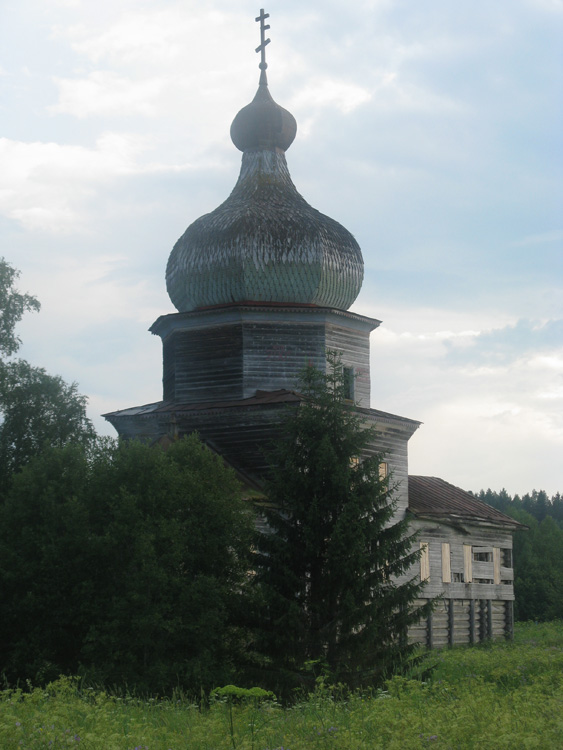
538, 552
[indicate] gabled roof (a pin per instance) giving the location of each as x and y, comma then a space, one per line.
433, 498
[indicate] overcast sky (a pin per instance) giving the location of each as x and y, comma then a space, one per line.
430, 129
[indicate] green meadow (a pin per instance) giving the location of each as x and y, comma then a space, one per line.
495, 695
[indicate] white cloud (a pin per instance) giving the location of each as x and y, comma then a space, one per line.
104, 92
328, 92
494, 423
45, 186
149, 36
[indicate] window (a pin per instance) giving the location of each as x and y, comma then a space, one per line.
446, 563
457, 577
348, 377
482, 554
506, 557
424, 562
383, 470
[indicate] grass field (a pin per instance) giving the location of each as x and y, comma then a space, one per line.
501, 695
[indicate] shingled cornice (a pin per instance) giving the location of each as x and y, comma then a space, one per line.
239, 312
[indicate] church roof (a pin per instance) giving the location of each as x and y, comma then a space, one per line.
265, 243
281, 396
431, 497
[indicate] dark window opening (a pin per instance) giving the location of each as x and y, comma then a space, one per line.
483, 556
348, 376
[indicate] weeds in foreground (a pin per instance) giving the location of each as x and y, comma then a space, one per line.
504, 695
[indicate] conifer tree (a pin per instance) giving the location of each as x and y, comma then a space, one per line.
329, 562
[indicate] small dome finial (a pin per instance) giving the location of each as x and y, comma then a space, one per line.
262, 46
263, 124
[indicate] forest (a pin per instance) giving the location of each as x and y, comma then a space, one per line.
538, 552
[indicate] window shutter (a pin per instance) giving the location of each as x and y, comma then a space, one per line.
446, 563
496, 564
424, 562
467, 564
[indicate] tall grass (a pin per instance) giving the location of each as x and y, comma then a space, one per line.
499, 695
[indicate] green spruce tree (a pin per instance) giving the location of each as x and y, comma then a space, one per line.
329, 563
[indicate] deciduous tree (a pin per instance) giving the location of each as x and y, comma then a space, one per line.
36, 409
13, 304
125, 563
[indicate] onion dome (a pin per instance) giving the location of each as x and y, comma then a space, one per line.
263, 123
265, 243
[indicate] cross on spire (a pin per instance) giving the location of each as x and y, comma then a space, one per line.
263, 42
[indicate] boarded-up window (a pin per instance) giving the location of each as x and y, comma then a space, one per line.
467, 563
496, 564
446, 563
424, 562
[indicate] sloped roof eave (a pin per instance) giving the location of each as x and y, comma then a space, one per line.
434, 498
458, 520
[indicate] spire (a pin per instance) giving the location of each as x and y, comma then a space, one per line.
263, 124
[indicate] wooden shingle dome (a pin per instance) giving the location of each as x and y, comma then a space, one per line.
265, 243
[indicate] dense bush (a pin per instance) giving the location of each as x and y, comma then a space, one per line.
125, 563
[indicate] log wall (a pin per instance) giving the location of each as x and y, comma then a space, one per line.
463, 621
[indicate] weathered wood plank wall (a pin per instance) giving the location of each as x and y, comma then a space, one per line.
233, 352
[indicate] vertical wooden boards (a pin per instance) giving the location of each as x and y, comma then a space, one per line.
496, 565
490, 632
424, 562
472, 630
446, 563
467, 563
509, 620
451, 622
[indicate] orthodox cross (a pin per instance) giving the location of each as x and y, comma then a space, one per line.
263, 42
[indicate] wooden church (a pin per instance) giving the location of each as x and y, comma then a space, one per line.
263, 286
